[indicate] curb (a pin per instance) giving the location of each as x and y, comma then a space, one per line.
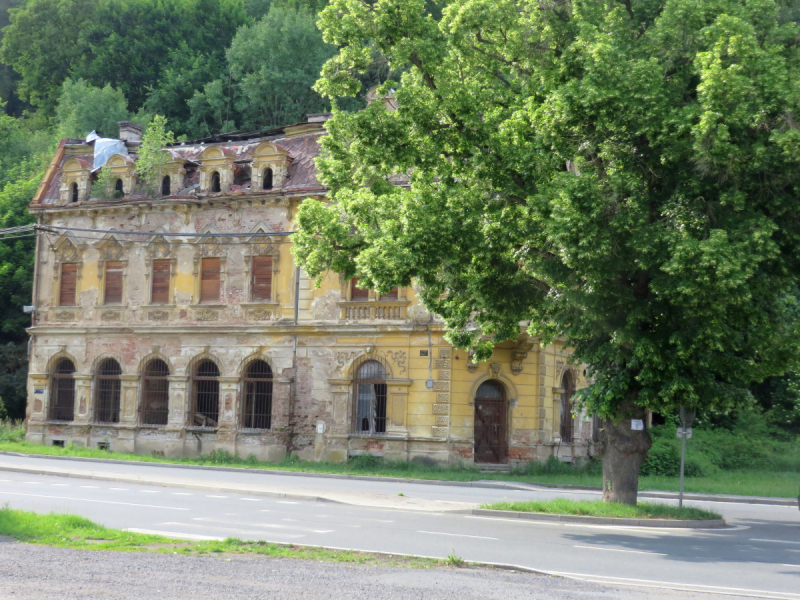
500, 485
672, 523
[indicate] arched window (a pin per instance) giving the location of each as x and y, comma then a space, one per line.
266, 179
107, 391
491, 425
257, 396
215, 185
206, 395
155, 393
62, 391
119, 190
165, 186
370, 401
74, 192
567, 419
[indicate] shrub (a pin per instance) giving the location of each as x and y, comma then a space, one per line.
365, 462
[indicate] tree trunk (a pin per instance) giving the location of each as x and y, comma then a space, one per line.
623, 451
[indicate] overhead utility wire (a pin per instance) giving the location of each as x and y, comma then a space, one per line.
50, 228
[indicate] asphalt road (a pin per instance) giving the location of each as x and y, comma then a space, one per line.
759, 555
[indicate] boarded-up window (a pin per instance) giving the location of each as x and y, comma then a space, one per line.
160, 291
113, 282
357, 293
262, 278
391, 295
69, 283
209, 281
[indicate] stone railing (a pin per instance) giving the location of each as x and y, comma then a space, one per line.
374, 310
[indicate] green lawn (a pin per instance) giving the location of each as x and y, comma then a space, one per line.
71, 531
747, 483
605, 509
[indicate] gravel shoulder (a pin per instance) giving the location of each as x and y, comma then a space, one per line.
30, 571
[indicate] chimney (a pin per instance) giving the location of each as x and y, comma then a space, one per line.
130, 133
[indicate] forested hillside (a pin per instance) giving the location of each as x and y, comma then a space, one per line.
68, 67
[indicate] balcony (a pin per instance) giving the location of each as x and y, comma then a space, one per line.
374, 310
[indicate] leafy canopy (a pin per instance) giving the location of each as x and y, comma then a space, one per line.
152, 157
620, 173
83, 108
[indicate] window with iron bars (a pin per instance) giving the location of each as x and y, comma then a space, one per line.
107, 391
62, 391
155, 393
205, 409
370, 390
567, 420
257, 413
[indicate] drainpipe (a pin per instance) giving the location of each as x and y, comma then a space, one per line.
293, 394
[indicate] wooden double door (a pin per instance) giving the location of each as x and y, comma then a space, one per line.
491, 423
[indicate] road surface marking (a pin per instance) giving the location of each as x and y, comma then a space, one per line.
92, 500
285, 502
210, 496
773, 541
33, 482
119, 489
150, 491
251, 499
264, 525
479, 537
618, 550
60, 484
690, 587
182, 494
173, 534
798, 566
244, 531
90, 487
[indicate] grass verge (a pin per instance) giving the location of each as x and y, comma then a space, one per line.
745, 483
72, 531
605, 509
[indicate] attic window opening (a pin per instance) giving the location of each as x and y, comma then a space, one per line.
215, 186
119, 192
74, 192
165, 186
267, 179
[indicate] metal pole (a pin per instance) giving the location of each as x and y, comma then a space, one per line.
683, 460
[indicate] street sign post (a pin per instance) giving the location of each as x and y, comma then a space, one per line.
685, 431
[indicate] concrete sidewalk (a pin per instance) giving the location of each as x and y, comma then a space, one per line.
339, 496
254, 489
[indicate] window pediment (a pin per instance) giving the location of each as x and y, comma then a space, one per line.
270, 167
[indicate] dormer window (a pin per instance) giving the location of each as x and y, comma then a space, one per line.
266, 179
119, 190
74, 192
215, 185
165, 186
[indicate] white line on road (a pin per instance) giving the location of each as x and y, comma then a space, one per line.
33, 482
210, 496
285, 502
119, 489
479, 537
150, 491
60, 484
90, 487
251, 499
798, 566
182, 494
773, 541
91, 500
619, 550
174, 534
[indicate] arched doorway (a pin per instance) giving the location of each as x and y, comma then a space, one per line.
490, 423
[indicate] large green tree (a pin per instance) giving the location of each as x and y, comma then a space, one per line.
124, 43
271, 69
622, 173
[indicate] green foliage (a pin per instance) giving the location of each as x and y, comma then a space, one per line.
605, 509
619, 174
271, 68
14, 378
122, 43
11, 430
83, 108
152, 157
